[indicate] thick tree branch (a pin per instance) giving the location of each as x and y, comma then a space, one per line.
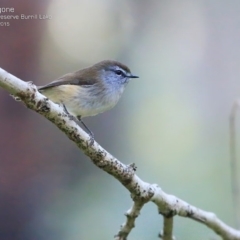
141, 192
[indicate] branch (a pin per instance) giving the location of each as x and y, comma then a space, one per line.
131, 215
233, 159
141, 192
166, 234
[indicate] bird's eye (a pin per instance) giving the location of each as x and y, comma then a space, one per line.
119, 72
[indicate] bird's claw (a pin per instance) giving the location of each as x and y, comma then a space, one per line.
91, 140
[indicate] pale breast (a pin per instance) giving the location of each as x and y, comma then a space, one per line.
84, 100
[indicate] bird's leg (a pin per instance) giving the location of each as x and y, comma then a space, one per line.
90, 133
66, 111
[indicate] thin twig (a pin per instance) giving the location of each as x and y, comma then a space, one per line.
233, 159
167, 233
131, 215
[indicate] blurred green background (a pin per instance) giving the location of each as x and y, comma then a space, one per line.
172, 121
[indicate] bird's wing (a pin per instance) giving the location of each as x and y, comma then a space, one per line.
69, 79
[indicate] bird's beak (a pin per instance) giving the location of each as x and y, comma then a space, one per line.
132, 76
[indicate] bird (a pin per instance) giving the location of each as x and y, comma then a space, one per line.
89, 91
